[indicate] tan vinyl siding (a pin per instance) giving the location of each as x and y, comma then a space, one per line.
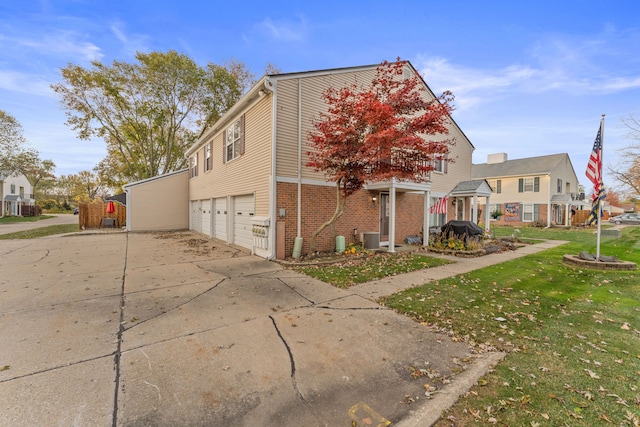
247, 174
159, 204
313, 104
312, 88
457, 171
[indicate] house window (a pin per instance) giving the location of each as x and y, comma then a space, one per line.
440, 165
526, 185
207, 157
529, 212
193, 165
496, 186
234, 140
13, 189
22, 192
559, 190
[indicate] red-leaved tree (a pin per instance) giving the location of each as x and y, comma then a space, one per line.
392, 129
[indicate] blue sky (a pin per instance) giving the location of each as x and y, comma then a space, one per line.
530, 78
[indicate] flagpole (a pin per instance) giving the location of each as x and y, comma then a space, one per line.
600, 201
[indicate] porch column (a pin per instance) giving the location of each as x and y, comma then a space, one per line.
392, 219
474, 218
567, 209
426, 219
487, 215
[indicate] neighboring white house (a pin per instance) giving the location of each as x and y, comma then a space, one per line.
15, 192
532, 189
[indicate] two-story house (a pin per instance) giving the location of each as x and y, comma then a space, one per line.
535, 189
248, 183
15, 192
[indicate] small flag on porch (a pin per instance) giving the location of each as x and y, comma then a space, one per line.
439, 207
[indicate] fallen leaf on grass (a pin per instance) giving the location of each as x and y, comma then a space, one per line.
592, 374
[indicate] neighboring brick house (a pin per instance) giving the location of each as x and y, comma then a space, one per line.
249, 186
536, 189
16, 192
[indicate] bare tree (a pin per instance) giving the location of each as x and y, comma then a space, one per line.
627, 172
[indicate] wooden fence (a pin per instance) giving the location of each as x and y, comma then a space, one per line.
95, 215
580, 218
31, 210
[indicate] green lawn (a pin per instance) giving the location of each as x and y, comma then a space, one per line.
370, 267
41, 232
14, 219
572, 335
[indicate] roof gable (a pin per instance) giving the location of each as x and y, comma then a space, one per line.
518, 167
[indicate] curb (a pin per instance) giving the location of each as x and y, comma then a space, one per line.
431, 411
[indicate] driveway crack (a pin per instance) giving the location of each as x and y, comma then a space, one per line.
121, 330
293, 372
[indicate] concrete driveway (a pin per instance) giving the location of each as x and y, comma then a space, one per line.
172, 329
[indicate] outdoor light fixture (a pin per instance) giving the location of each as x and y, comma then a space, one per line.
373, 201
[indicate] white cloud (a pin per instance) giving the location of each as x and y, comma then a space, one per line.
285, 31
131, 42
15, 81
57, 44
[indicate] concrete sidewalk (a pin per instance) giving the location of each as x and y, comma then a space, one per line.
172, 329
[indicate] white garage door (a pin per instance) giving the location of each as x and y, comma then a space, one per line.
195, 216
242, 227
220, 218
205, 222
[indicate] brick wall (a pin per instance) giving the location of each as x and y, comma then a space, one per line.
319, 204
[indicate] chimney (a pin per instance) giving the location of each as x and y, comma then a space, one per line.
496, 158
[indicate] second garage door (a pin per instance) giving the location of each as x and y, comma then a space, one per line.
243, 207
220, 218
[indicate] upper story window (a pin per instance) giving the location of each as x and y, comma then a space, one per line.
207, 157
234, 140
22, 192
559, 190
496, 186
526, 185
440, 165
13, 189
193, 165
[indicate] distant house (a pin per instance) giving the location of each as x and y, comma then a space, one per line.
535, 189
16, 192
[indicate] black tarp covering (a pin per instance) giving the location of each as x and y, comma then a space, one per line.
462, 229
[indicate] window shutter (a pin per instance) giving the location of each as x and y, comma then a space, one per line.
536, 210
499, 186
520, 185
224, 146
241, 141
536, 184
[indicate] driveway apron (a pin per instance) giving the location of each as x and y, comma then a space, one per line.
175, 329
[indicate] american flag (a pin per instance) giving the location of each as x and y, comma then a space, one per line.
439, 207
594, 167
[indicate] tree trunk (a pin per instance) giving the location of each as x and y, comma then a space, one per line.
340, 203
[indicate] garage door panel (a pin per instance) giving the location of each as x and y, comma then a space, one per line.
195, 216
243, 213
220, 218
205, 221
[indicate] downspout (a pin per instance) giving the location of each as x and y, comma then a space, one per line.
128, 211
299, 218
549, 203
271, 86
